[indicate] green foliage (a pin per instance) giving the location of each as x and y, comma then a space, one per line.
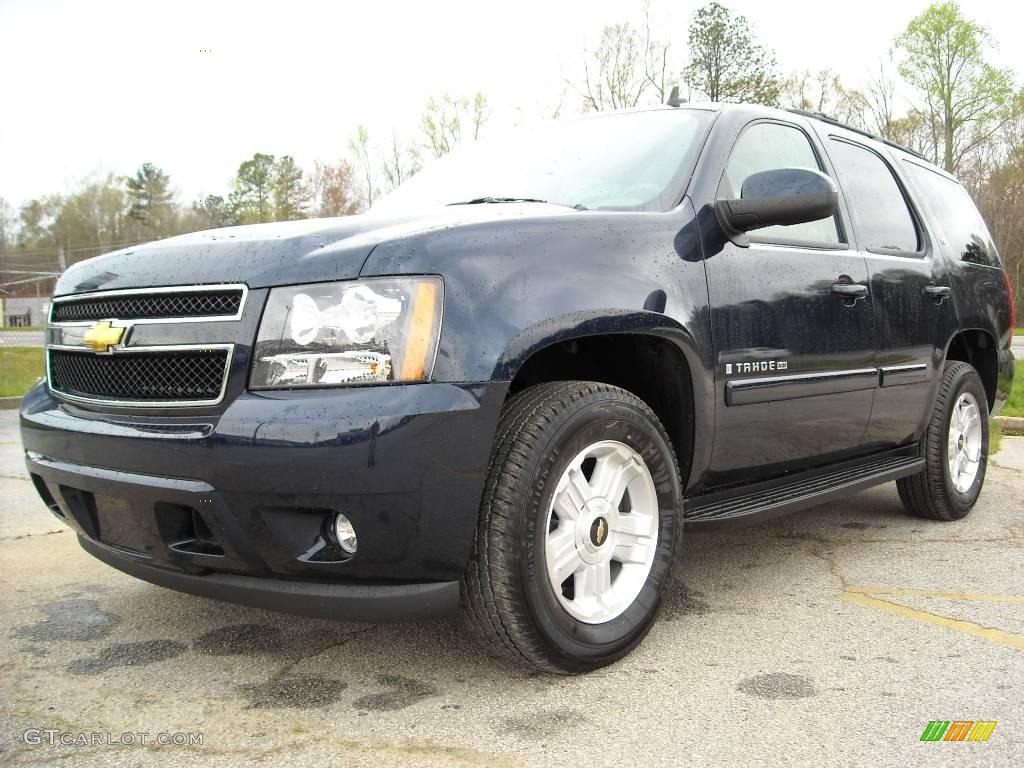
965, 97
290, 193
213, 211
90, 220
265, 189
995, 438
1015, 405
726, 62
150, 200
20, 368
448, 121
250, 199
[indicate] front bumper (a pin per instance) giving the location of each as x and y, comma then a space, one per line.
235, 506
351, 602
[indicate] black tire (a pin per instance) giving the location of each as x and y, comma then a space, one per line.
506, 591
931, 493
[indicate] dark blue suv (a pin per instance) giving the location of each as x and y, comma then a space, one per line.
510, 384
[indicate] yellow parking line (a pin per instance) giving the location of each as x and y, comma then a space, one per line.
1009, 639
974, 597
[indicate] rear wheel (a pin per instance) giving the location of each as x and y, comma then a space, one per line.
955, 449
578, 527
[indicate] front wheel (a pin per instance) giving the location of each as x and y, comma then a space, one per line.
955, 449
578, 527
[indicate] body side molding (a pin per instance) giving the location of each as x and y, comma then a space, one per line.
764, 390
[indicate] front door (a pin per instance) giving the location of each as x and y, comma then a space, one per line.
792, 327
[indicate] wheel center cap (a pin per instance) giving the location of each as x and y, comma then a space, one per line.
594, 534
960, 442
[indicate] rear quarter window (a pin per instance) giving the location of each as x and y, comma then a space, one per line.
884, 222
956, 216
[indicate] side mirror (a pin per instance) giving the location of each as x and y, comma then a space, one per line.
779, 196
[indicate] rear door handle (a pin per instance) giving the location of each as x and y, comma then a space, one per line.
850, 290
938, 292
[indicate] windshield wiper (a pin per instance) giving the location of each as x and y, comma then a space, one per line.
485, 200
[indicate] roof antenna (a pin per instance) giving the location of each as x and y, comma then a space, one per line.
673, 97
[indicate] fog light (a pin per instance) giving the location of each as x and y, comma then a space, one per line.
345, 534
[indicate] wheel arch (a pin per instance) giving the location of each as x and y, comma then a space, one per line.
647, 356
978, 348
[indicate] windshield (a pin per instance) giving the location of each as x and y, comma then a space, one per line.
626, 161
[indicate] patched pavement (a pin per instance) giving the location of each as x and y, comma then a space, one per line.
830, 637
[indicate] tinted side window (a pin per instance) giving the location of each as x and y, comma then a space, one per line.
955, 215
884, 223
764, 147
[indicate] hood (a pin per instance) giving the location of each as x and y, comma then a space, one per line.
264, 255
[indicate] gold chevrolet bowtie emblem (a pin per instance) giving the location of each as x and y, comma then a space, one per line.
101, 337
601, 532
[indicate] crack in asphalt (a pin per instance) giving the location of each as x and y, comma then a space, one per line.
291, 665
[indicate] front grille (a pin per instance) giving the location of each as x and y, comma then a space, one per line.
157, 377
143, 306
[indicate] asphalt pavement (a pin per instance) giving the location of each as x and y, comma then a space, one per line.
828, 638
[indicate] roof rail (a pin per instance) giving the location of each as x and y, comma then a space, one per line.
832, 121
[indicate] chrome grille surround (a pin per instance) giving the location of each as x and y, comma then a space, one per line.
79, 375
68, 337
163, 292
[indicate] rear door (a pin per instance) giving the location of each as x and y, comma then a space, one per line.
913, 308
793, 328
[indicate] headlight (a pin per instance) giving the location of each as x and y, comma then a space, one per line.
355, 332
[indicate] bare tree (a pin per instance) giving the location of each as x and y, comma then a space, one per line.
614, 74
400, 162
359, 146
880, 93
823, 91
996, 182
659, 71
7, 220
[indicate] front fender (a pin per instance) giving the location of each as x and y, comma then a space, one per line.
514, 287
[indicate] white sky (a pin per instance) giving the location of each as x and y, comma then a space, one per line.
105, 86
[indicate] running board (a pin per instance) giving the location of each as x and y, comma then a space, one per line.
807, 489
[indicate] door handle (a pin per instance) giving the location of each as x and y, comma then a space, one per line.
938, 292
852, 291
